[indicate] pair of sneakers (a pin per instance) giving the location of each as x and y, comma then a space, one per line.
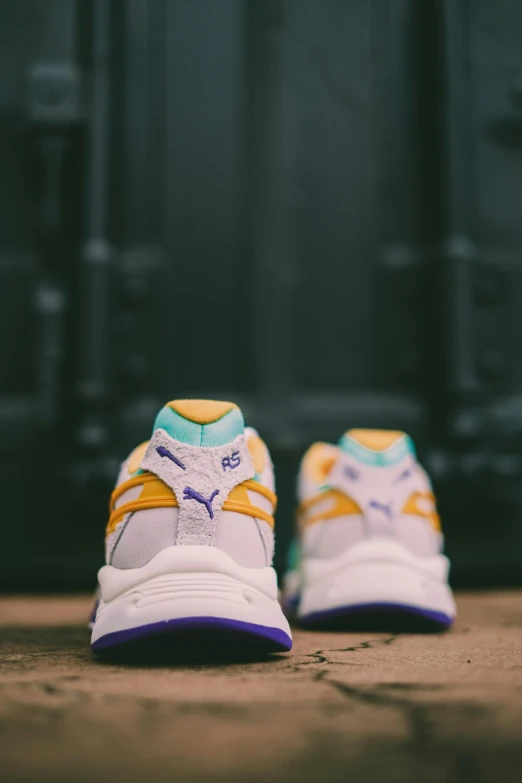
190, 538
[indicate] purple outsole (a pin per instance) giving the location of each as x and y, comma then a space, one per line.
264, 638
356, 610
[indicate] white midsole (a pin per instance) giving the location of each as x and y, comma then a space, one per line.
374, 572
185, 559
188, 581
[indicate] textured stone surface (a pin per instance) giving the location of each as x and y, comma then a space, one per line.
340, 707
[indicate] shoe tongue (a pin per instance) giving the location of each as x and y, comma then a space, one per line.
201, 422
378, 448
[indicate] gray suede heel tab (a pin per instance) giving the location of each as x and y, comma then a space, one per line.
201, 478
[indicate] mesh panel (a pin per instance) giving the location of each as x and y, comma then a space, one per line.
112, 539
132, 494
418, 535
260, 501
267, 534
239, 536
248, 541
332, 537
145, 534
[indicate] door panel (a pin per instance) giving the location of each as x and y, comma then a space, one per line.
308, 207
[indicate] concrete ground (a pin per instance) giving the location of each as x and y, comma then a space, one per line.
340, 707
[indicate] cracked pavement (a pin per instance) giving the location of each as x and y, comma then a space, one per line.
339, 707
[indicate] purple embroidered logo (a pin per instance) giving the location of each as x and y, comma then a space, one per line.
163, 452
381, 507
231, 462
191, 494
351, 473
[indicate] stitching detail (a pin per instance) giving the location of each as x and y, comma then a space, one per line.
262, 540
192, 494
163, 452
122, 531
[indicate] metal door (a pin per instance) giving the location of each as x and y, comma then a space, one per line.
310, 207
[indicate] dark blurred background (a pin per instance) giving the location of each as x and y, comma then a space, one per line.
313, 208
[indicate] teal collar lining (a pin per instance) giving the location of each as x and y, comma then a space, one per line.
390, 456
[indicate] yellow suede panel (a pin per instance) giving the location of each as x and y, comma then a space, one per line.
423, 504
134, 481
239, 495
239, 501
318, 461
137, 505
201, 411
256, 447
156, 489
136, 457
255, 486
375, 440
155, 494
342, 505
248, 510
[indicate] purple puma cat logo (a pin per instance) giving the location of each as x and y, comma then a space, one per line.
163, 452
351, 473
191, 494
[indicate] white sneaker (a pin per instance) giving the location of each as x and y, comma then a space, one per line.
190, 538
369, 541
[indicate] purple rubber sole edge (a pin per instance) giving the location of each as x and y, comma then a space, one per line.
92, 616
438, 618
268, 638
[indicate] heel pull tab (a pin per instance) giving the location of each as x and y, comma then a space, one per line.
201, 477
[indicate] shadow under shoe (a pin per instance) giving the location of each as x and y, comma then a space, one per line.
378, 618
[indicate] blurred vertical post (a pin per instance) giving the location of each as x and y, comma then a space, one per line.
55, 110
273, 279
459, 251
97, 256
